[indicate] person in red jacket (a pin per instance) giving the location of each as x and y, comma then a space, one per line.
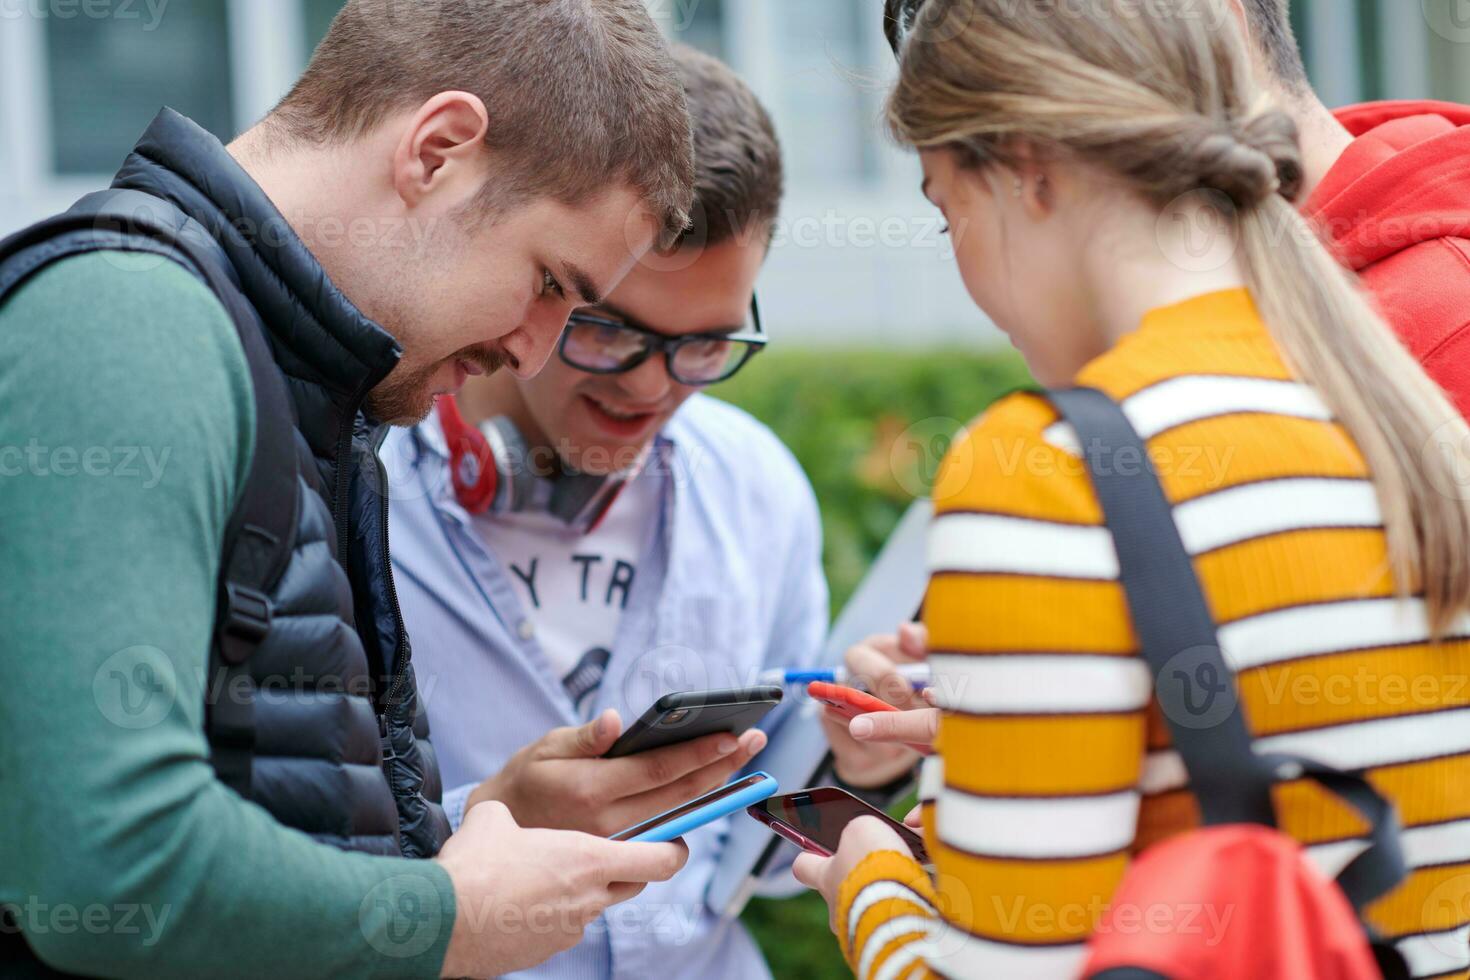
1388, 185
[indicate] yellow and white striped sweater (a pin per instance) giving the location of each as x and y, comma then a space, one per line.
1054, 767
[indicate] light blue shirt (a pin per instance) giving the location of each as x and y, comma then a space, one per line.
730, 584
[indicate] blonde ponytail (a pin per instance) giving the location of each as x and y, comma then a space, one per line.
1163, 98
1411, 436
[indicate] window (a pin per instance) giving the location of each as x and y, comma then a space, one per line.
318, 15
1375, 84
1449, 32
108, 76
701, 24
827, 87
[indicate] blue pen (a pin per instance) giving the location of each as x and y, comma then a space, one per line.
917, 674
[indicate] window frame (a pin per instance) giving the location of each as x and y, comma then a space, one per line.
266, 40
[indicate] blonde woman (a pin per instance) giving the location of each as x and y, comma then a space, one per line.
1121, 205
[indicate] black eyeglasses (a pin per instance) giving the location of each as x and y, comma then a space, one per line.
898, 20
601, 344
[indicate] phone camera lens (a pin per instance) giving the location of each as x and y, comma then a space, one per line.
674, 717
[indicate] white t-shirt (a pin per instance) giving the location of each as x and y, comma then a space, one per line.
574, 587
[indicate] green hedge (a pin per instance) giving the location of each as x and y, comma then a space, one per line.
869, 427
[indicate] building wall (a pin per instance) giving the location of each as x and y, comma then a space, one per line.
858, 255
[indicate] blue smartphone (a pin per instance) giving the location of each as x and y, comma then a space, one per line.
705, 809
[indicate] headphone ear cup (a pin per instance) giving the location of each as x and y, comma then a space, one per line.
472, 466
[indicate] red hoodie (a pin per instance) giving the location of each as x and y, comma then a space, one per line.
1396, 206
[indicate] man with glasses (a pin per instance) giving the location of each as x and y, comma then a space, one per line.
579, 544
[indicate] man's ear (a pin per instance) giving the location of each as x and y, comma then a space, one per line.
442, 148
1242, 21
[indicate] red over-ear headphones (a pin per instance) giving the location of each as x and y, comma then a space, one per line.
490, 471
471, 460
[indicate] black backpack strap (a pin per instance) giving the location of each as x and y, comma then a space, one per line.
1177, 636
262, 527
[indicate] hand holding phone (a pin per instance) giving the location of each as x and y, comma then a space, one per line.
675, 823
813, 819
687, 715
562, 780
847, 701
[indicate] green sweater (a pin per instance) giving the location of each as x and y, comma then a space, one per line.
126, 429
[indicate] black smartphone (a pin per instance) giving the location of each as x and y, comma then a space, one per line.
813, 819
676, 718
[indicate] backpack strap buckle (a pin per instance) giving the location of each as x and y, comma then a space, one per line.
245, 622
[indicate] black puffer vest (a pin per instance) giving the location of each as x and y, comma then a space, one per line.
339, 750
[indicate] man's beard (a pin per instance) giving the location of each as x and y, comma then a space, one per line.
407, 399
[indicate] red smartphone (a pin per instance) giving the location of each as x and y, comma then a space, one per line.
813, 819
848, 700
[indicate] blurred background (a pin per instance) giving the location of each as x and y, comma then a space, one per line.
859, 267
859, 258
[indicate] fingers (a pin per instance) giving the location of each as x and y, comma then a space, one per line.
641, 863
917, 727
720, 754
621, 891
692, 785
915, 817
871, 665
913, 641
584, 742
808, 869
